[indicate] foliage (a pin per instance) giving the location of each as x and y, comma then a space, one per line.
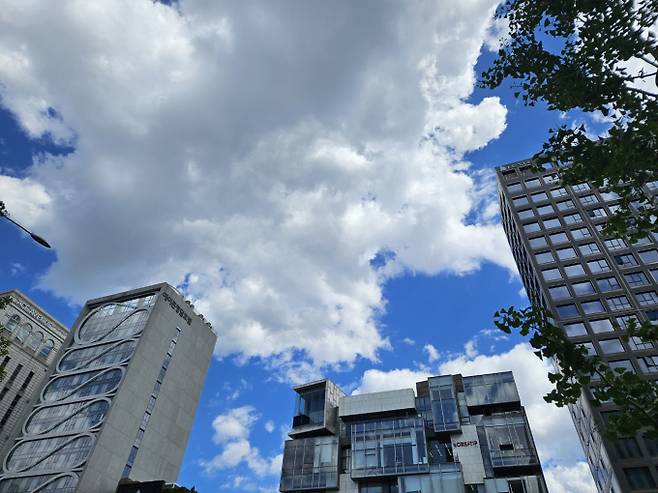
600, 58
174, 488
635, 397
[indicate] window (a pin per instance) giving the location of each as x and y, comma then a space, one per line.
565, 205
652, 315
552, 178
47, 348
574, 270
654, 274
551, 274
627, 448
534, 183
625, 260
624, 322
558, 192
609, 196
652, 185
649, 256
588, 199
552, 223
514, 188
538, 242
557, 238
581, 187
526, 214
648, 364
520, 201
544, 257
545, 209
580, 233
639, 478
623, 364
566, 253
13, 323
647, 298
636, 279
619, 303
601, 326
566, 311
531, 227
599, 265
608, 284
575, 330
615, 244
594, 213
572, 219
638, 344
539, 196
592, 307
559, 292
583, 288
610, 346
591, 351
589, 249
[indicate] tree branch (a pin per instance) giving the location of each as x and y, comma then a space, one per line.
642, 91
649, 61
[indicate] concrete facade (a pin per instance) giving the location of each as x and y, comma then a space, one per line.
454, 435
121, 400
34, 337
593, 285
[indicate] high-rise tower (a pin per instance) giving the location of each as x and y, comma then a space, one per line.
120, 400
457, 435
594, 285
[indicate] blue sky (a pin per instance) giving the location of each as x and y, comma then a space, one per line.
262, 158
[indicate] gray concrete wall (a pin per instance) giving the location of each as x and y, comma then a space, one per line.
377, 402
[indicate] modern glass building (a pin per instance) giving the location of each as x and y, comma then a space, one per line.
120, 400
594, 285
455, 434
34, 338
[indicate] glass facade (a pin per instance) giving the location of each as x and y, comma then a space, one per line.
310, 405
485, 390
59, 434
509, 440
310, 463
444, 403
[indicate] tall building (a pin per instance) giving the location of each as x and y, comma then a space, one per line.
456, 434
120, 400
594, 285
34, 338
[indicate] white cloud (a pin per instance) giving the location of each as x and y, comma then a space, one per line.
570, 479
408, 341
232, 431
432, 352
234, 148
269, 426
374, 380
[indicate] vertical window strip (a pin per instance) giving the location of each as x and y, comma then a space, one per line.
150, 406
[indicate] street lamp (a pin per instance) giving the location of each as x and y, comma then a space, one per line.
35, 237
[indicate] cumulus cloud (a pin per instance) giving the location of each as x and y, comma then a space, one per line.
432, 352
374, 380
258, 155
570, 479
231, 431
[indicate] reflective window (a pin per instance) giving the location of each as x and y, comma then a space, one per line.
388, 446
514, 188
444, 403
559, 292
23, 332
47, 348
575, 330
623, 364
625, 321
544, 257
589, 249
565, 205
113, 321
49, 454
551, 274
639, 478
625, 260
609, 196
639, 344
594, 213
583, 288
566, 253
588, 199
581, 233
589, 347
581, 187
538, 242
572, 218
309, 464
648, 364
531, 227
636, 279
46, 483
526, 214
78, 416
615, 244
538, 197
609, 346
574, 270
310, 405
558, 192
552, 223
13, 323
599, 265
545, 209
649, 256
34, 341
98, 356
566, 311
82, 384
557, 238
654, 274
520, 201
619, 303
647, 298
601, 326
592, 307
509, 440
534, 183
498, 388
608, 284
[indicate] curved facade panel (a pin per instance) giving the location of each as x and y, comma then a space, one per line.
59, 434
